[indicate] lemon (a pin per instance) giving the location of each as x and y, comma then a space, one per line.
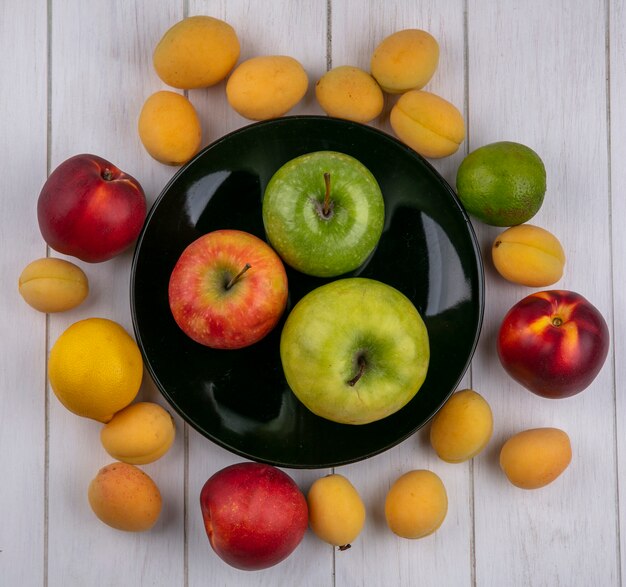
502, 184
95, 368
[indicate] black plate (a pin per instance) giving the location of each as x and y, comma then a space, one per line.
240, 399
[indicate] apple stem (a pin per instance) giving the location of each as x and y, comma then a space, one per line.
361, 362
557, 321
238, 276
344, 547
326, 208
107, 174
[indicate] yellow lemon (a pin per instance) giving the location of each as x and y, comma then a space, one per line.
95, 368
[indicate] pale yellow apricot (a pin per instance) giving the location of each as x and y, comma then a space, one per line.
196, 52
416, 504
534, 458
528, 255
169, 128
350, 93
428, 124
266, 87
405, 60
336, 511
125, 498
462, 428
139, 434
53, 285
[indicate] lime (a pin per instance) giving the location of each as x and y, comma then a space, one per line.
502, 184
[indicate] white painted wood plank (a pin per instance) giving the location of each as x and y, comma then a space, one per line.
101, 74
537, 76
379, 557
22, 354
297, 29
617, 85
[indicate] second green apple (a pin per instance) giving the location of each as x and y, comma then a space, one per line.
324, 213
354, 350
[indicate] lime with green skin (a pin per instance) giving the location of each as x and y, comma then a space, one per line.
502, 184
354, 350
323, 213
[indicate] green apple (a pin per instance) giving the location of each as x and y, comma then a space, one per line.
323, 212
354, 350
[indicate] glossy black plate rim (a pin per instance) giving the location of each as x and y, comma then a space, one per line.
480, 294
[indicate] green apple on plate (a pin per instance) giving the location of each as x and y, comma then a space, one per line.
323, 213
354, 350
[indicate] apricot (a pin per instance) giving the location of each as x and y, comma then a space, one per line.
336, 512
53, 285
125, 498
416, 504
197, 52
350, 93
139, 434
266, 87
528, 255
534, 458
405, 60
462, 428
428, 124
169, 128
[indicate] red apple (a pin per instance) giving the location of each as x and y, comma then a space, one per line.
90, 209
255, 515
228, 289
554, 343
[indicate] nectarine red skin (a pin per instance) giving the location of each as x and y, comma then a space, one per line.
554, 343
90, 209
254, 514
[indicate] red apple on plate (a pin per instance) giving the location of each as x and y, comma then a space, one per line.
90, 209
553, 342
254, 514
228, 289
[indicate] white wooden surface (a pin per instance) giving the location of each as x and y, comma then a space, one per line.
551, 75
